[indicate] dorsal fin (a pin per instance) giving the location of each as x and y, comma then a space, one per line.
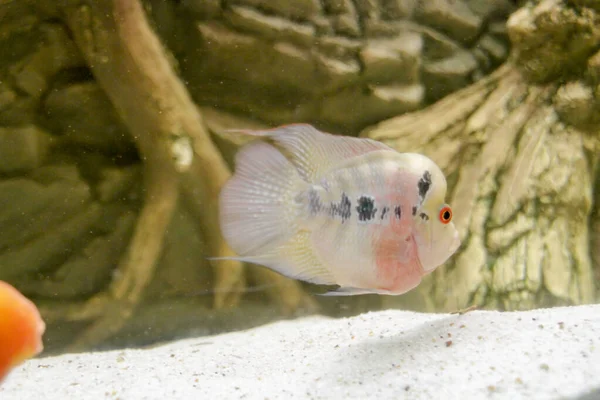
314, 152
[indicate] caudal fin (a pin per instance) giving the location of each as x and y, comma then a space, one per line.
257, 207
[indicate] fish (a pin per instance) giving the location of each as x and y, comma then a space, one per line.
21, 329
337, 210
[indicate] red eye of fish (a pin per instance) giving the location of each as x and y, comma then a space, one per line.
445, 214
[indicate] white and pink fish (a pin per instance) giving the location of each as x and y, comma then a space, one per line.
337, 210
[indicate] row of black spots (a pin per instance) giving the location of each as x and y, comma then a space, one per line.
397, 212
424, 184
366, 208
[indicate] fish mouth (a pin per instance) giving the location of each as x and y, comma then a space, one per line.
429, 262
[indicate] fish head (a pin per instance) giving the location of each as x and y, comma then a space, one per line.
435, 235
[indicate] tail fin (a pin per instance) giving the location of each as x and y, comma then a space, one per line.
257, 207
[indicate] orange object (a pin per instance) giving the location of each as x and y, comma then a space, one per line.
21, 329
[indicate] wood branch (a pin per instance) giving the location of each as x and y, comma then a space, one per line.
130, 64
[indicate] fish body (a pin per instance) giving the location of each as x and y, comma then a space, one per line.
21, 329
337, 210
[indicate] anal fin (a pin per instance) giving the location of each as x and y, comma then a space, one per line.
352, 291
295, 259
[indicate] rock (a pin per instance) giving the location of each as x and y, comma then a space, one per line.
576, 104
116, 184
18, 110
204, 9
237, 57
551, 40
57, 240
448, 75
495, 49
22, 148
298, 9
490, 9
253, 58
595, 4
454, 18
89, 269
28, 208
82, 115
7, 96
338, 6
270, 27
398, 9
347, 25
339, 47
57, 52
393, 60
593, 70
410, 96
333, 74
370, 105
43, 220
52, 247
367, 9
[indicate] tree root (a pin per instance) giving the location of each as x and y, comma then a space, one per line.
129, 62
286, 292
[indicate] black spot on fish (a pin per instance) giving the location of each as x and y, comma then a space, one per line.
424, 217
341, 209
414, 211
398, 212
384, 211
424, 184
366, 208
314, 202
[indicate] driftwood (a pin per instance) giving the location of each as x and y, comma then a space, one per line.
522, 161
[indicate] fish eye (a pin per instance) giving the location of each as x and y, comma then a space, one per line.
445, 215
